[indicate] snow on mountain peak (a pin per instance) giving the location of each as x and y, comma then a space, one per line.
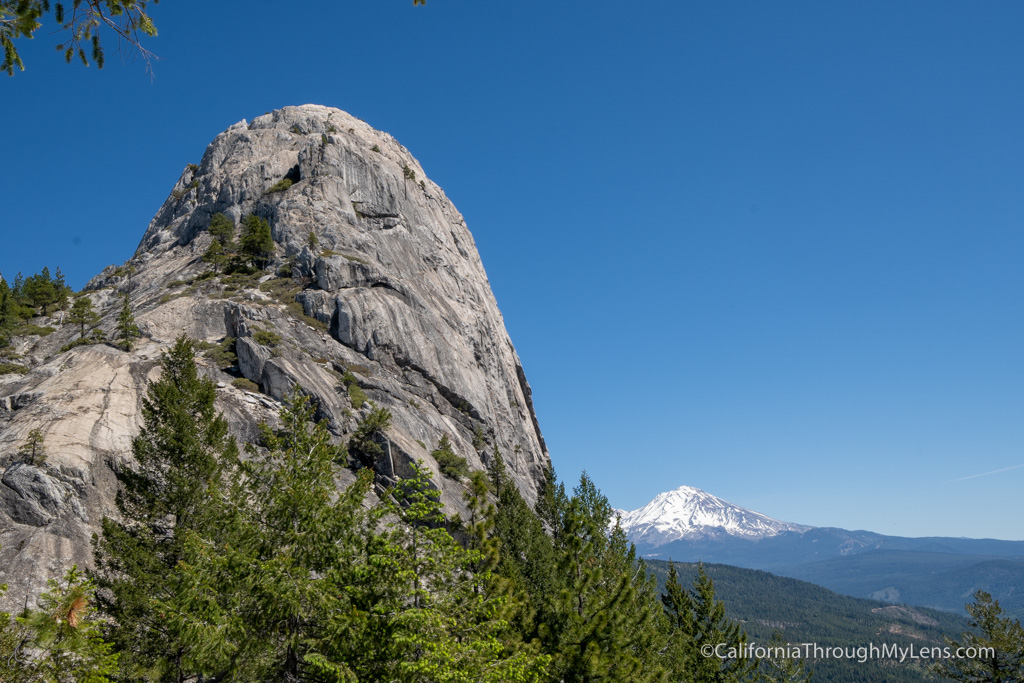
688, 512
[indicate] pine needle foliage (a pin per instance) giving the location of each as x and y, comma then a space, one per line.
174, 491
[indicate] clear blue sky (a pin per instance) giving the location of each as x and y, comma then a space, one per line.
771, 250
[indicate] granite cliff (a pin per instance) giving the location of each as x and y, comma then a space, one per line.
375, 288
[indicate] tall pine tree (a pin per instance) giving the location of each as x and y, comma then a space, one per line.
174, 489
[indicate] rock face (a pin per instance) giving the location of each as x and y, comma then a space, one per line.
375, 279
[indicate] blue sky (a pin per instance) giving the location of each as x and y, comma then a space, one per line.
771, 250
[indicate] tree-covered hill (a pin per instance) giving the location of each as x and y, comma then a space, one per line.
806, 613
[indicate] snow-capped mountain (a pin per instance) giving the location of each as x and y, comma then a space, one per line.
691, 514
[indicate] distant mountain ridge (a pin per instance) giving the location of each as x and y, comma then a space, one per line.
690, 525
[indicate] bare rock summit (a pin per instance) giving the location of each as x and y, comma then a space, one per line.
374, 289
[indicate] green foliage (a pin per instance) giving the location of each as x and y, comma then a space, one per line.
697, 618
267, 338
429, 616
363, 447
127, 330
478, 437
13, 639
26, 330
280, 186
287, 577
83, 315
408, 172
33, 449
781, 669
222, 229
12, 369
215, 255
375, 148
355, 393
256, 242
81, 23
1003, 636
174, 494
450, 464
8, 317
67, 633
246, 385
222, 354
312, 241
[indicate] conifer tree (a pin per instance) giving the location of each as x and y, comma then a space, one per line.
13, 641
127, 330
285, 578
697, 619
222, 229
429, 611
34, 447
83, 314
602, 622
256, 242
67, 633
61, 290
40, 291
174, 491
1002, 636
7, 315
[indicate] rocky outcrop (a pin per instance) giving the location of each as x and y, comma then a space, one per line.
375, 278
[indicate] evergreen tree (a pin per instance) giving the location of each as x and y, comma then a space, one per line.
34, 448
127, 330
256, 242
603, 622
697, 619
82, 22
222, 229
83, 314
427, 607
7, 314
363, 447
1000, 636
61, 290
40, 291
67, 633
172, 495
14, 664
286, 576
215, 256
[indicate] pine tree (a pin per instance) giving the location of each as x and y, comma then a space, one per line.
603, 622
286, 580
173, 496
427, 605
7, 314
14, 663
1001, 638
83, 315
40, 291
34, 447
256, 242
61, 290
222, 229
127, 330
67, 633
697, 619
